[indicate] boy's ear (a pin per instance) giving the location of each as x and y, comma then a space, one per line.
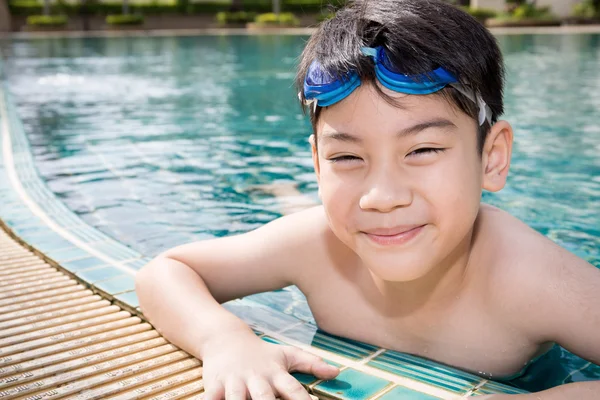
315, 157
497, 152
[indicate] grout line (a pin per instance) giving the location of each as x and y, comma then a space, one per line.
472, 391
366, 360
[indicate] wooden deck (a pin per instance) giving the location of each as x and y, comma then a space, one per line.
60, 340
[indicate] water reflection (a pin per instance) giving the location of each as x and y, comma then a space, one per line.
159, 141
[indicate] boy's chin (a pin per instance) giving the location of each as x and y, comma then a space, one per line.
398, 268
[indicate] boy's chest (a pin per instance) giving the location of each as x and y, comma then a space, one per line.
459, 335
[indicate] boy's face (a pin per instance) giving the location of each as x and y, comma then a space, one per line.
400, 186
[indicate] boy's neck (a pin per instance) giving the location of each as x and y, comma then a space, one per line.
441, 286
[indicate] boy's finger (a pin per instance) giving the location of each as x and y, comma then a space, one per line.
260, 389
216, 391
289, 388
235, 389
301, 361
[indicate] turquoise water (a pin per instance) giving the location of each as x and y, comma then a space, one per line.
161, 141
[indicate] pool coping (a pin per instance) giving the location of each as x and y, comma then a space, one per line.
34, 216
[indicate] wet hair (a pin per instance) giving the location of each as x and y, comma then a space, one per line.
419, 36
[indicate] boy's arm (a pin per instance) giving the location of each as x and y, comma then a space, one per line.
266, 259
569, 305
180, 291
560, 301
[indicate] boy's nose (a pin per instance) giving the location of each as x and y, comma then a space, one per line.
386, 195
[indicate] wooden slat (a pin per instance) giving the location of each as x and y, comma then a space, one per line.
127, 329
56, 368
49, 284
8, 284
39, 295
12, 265
136, 380
59, 340
6, 343
71, 382
195, 387
44, 320
45, 300
11, 279
48, 308
36, 266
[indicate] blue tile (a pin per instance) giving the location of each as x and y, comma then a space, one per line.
33, 231
338, 345
426, 371
303, 333
496, 388
99, 274
138, 264
74, 253
291, 302
21, 222
50, 242
120, 284
352, 385
116, 250
402, 393
83, 263
129, 298
259, 316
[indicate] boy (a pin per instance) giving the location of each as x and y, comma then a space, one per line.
404, 100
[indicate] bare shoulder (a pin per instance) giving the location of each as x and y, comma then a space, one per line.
529, 277
281, 253
315, 245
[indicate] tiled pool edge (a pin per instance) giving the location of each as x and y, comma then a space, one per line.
41, 222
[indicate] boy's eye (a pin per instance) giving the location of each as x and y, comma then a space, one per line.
345, 158
426, 150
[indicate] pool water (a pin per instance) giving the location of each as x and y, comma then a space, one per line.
161, 141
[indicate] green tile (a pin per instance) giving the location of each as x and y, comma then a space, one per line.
269, 339
83, 263
403, 393
129, 298
120, 284
352, 385
497, 388
345, 347
305, 379
425, 371
99, 274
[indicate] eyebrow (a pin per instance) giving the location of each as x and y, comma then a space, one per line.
412, 130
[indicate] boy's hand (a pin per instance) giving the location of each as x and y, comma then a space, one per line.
239, 365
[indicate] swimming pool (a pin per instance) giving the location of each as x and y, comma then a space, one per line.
160, 141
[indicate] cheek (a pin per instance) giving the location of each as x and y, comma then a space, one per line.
455, 190
339, 200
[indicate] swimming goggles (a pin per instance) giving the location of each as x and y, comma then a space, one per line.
323, 89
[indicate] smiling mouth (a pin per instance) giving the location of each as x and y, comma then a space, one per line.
393, 236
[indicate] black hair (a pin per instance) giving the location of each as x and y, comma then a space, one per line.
419, 36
